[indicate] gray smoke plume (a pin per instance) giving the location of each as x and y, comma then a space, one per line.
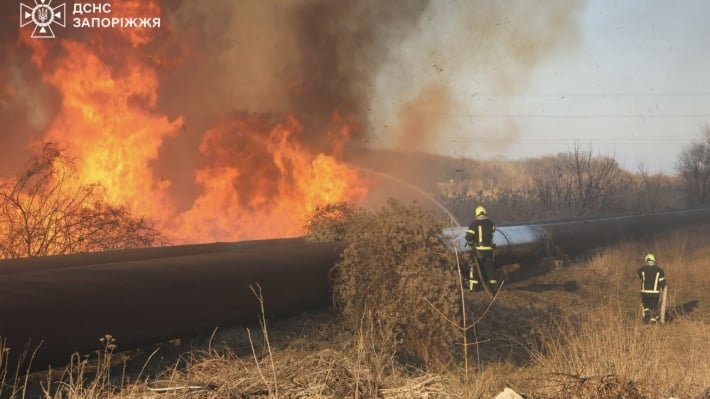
465, 47
309, 58
395, 66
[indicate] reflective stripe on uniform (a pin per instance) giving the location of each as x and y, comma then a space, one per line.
655, 289
483, 247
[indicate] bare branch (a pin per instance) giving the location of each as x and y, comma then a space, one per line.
693, 165
44, 212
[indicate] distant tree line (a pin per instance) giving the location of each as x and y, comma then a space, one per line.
693, 165
580, 183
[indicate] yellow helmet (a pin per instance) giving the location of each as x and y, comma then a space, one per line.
480, 210
650, 258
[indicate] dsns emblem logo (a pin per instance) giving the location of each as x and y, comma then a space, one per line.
42, 15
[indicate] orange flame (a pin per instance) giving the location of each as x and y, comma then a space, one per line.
259, 180
292, 182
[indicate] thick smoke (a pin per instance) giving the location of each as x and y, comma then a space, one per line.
465, 48
308, 58
425, 100
404, 69
401, 68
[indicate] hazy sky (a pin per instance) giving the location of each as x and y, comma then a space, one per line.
634, 83
637, 87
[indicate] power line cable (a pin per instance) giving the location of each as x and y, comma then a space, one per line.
568, 116
675, 94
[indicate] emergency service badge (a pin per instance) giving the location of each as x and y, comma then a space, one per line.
42, 15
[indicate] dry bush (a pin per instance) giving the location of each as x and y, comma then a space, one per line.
44, 212
394, 276
330, 222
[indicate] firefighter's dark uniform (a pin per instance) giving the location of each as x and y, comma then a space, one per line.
480, 237
652, 281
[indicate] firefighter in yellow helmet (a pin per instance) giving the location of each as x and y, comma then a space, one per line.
480, 238
653, 280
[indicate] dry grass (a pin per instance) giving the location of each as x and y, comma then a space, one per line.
570, 333
610, 340
669, 359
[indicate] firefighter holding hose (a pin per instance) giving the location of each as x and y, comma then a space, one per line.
653, 282
480, 238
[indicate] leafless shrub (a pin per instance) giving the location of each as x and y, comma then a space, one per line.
650, 191
693, 165
43, 212
394, 276
578, 183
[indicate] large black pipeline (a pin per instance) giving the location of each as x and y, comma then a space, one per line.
151, 295
144, 296
568, 237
